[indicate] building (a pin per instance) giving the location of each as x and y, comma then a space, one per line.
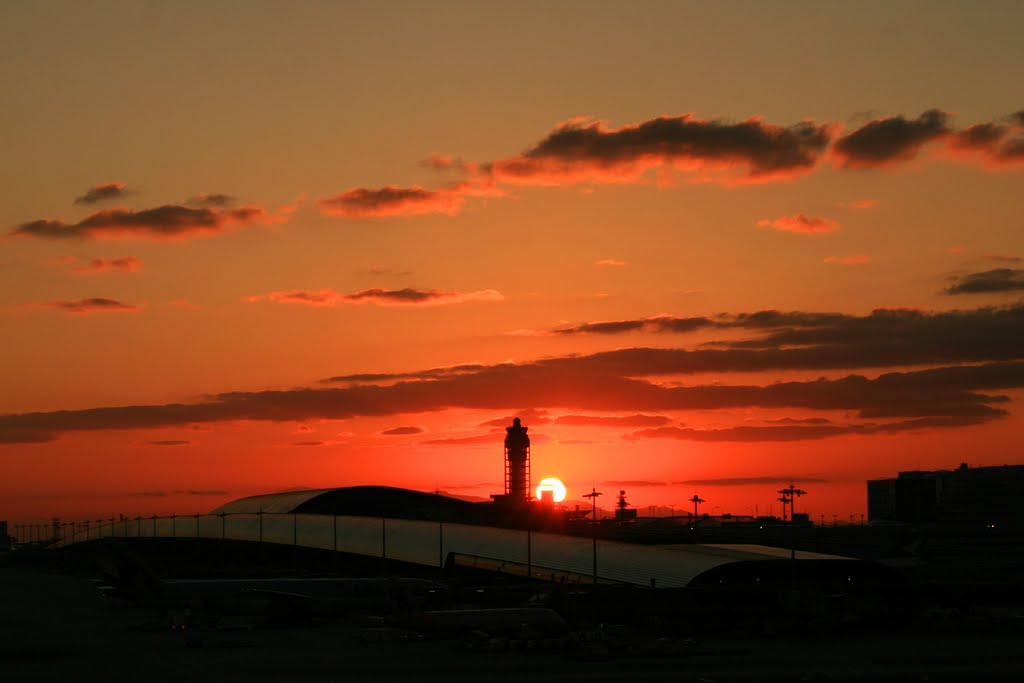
966, 495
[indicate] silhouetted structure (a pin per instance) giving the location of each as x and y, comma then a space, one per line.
985, 495
624, 513
517, 461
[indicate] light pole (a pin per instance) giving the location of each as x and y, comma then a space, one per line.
789, 495
593, 524
696, 500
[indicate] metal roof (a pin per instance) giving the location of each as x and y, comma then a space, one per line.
430, 543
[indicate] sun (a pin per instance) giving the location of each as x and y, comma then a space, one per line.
556, 487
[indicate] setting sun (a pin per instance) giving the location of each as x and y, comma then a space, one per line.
556, 487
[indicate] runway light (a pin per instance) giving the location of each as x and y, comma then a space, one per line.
553, 485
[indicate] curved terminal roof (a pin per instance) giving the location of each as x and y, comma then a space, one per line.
429, 529
386, 501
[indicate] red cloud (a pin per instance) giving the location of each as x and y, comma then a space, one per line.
993, 143
799, 222
634, 421
609, 262
382, 297
166, 222
99, 265
94, 305
581, 150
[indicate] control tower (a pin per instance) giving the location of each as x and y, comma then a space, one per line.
517, 462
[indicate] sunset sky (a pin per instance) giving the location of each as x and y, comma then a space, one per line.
697, 247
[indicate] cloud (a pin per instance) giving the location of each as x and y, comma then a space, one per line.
381, 297
612, 421
211, 200
587, 151
989, 281
93, 305
389, 201
609, 262
447, 162
976, 353
308, 443
804, 432
169, 442
815, 340
493, 438
930, 398
102, 193
163, 223
402, 431
383, 270
995, 144
527, 416
801, 223
657, 324
128, 264
891, 140
852, 260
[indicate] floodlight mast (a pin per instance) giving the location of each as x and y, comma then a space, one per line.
594, 493
696, 500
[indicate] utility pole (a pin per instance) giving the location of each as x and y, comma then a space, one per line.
593, 524
696, 500
789, 496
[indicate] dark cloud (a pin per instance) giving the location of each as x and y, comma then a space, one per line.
94, 305
658, 324
381, 202
382, 297
401, 431
101, 193
308, 443
527, 416
612, 421
211, 200
432, 373
891, 140
163, 222
940, 397
493, 438
128, 264
975, 354
382, 270
446, 162
989, 281
589, 151
803, 432
996, 144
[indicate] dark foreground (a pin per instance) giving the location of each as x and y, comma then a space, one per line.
54, 626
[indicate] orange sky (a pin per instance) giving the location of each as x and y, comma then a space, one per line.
697, 248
